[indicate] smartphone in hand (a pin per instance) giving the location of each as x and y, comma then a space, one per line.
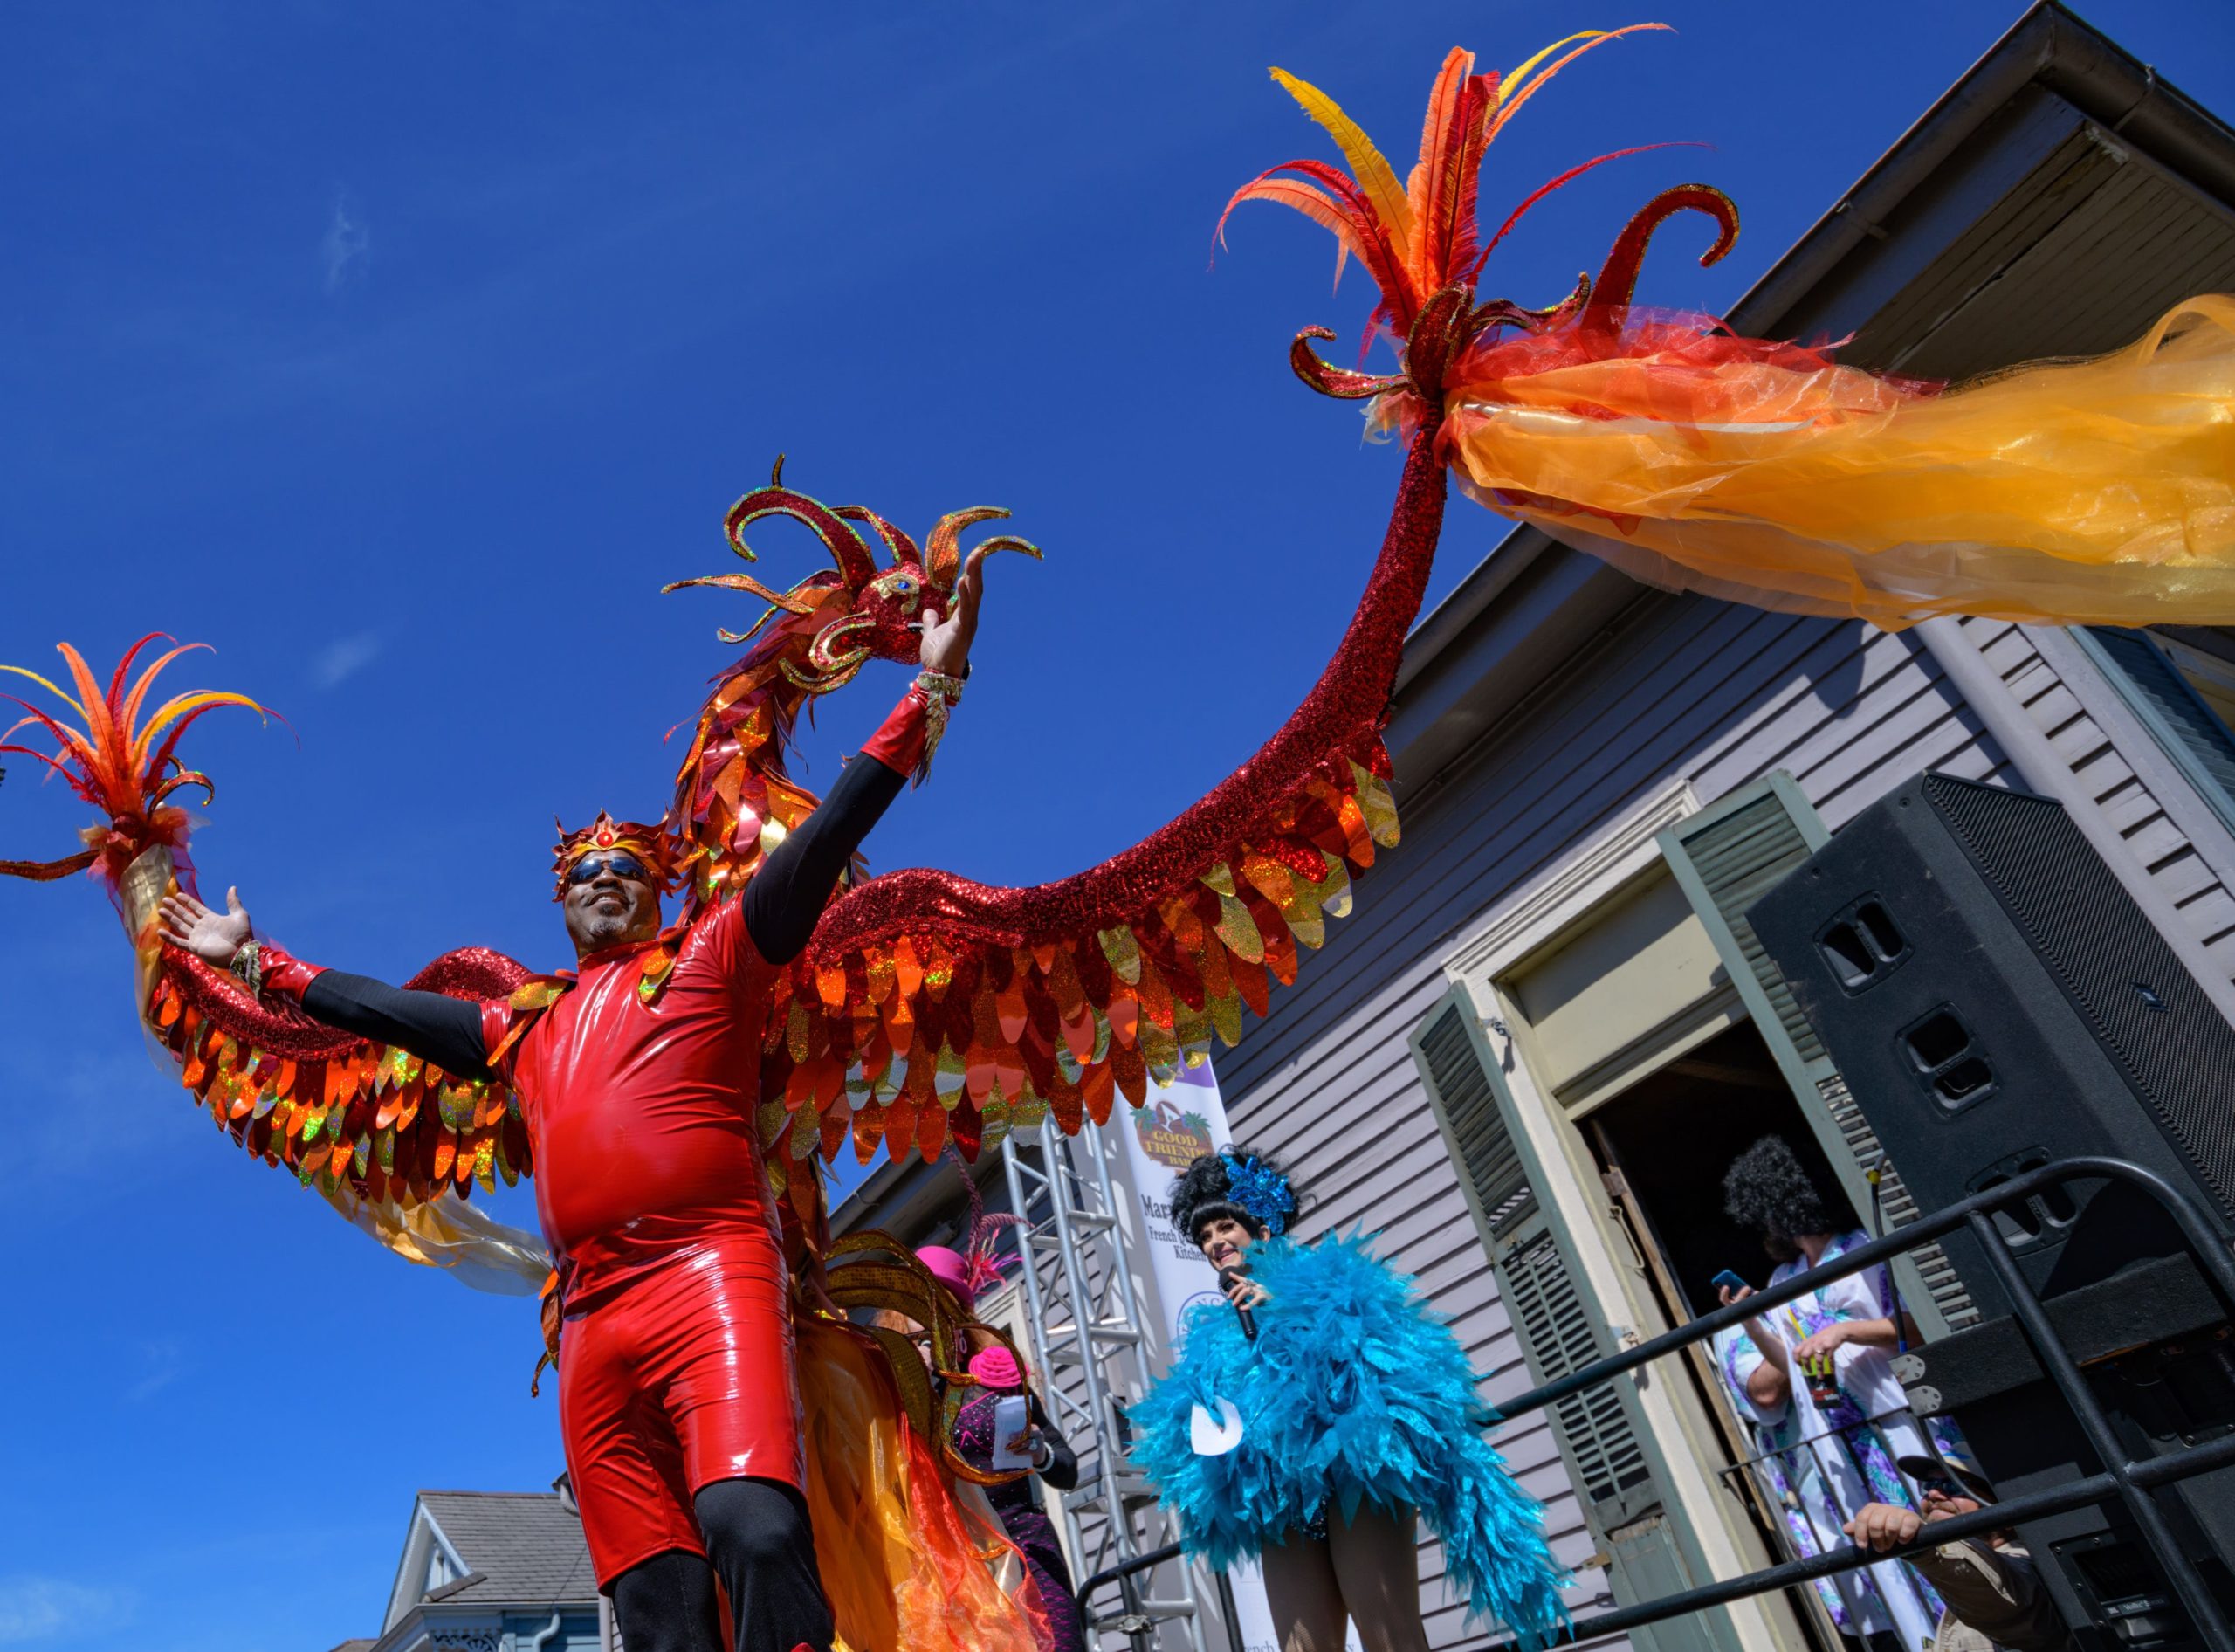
1728, 1281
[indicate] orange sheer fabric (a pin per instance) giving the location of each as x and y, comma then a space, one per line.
2096, 492
911, 1561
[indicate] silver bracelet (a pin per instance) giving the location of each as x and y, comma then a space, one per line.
248, 964
939, 685
940, 694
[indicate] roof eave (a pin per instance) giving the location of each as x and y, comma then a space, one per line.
2050, 47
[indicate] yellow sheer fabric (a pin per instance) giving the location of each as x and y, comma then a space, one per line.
911, 1562
2096, 492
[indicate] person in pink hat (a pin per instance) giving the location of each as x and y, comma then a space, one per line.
999, 1376
1023, 1515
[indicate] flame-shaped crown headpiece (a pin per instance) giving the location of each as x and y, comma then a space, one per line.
652, 844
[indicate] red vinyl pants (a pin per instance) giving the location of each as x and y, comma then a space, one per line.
676, 1377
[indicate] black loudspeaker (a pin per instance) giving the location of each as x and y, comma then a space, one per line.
1995, 1000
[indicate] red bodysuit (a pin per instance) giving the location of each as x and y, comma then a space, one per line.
676, 1364
674, 1367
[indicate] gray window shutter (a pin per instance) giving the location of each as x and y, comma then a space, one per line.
1602, 1436
1725, 858
2187, 729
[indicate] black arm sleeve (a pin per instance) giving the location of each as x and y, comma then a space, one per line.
1062, 1470
786, 895
432, 1026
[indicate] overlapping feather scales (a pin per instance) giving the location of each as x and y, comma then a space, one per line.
1353, 1393
339, 1111
965, 1011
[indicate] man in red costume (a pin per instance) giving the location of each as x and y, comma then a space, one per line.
677, 1394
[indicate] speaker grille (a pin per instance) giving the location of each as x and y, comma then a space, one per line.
2135, 993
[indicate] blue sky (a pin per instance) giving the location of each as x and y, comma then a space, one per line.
403, 353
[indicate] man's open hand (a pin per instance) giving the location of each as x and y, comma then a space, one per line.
946, 639
212, 937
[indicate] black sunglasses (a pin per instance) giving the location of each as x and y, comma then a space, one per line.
591, 866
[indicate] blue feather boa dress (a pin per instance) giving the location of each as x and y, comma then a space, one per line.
1354, 1392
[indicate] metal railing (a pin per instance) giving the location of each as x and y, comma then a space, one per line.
2124, 1478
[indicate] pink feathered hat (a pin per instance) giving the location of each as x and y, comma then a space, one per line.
996, 1369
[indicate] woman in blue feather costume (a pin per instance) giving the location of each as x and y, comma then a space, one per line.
1356, 1411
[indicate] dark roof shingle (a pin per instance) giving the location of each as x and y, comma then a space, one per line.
527, 1546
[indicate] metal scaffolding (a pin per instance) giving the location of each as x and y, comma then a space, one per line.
1085, 1321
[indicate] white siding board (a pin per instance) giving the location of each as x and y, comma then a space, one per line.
2211, 913
2004, 645
2129, 806
2182, 874
2155, 840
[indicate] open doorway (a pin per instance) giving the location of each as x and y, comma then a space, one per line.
1671, 1136
1662, 1145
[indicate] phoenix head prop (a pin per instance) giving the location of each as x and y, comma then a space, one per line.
1421, 241
734, 800
112, 761
863, 611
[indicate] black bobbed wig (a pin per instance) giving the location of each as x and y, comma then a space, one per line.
1204, 1193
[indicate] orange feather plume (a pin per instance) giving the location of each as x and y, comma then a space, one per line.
1421, 237
112, 761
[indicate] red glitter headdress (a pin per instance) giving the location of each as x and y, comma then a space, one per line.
651, 844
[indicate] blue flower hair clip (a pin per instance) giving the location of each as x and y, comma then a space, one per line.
1260, 1190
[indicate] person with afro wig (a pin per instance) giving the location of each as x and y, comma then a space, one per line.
1315, 1439
1815, 1379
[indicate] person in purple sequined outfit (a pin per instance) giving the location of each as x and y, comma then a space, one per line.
1018, 1502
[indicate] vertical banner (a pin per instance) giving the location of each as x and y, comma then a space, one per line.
1176, 1123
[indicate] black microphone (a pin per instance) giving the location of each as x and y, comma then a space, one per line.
1228, 1277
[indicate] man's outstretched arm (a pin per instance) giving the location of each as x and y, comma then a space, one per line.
432, 1026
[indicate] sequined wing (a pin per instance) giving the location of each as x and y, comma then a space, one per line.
381, 1134
929, 1008
349, 1115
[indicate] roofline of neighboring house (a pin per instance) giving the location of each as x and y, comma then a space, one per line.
2049, 47
402, 1561
902, 1195
428, 1617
